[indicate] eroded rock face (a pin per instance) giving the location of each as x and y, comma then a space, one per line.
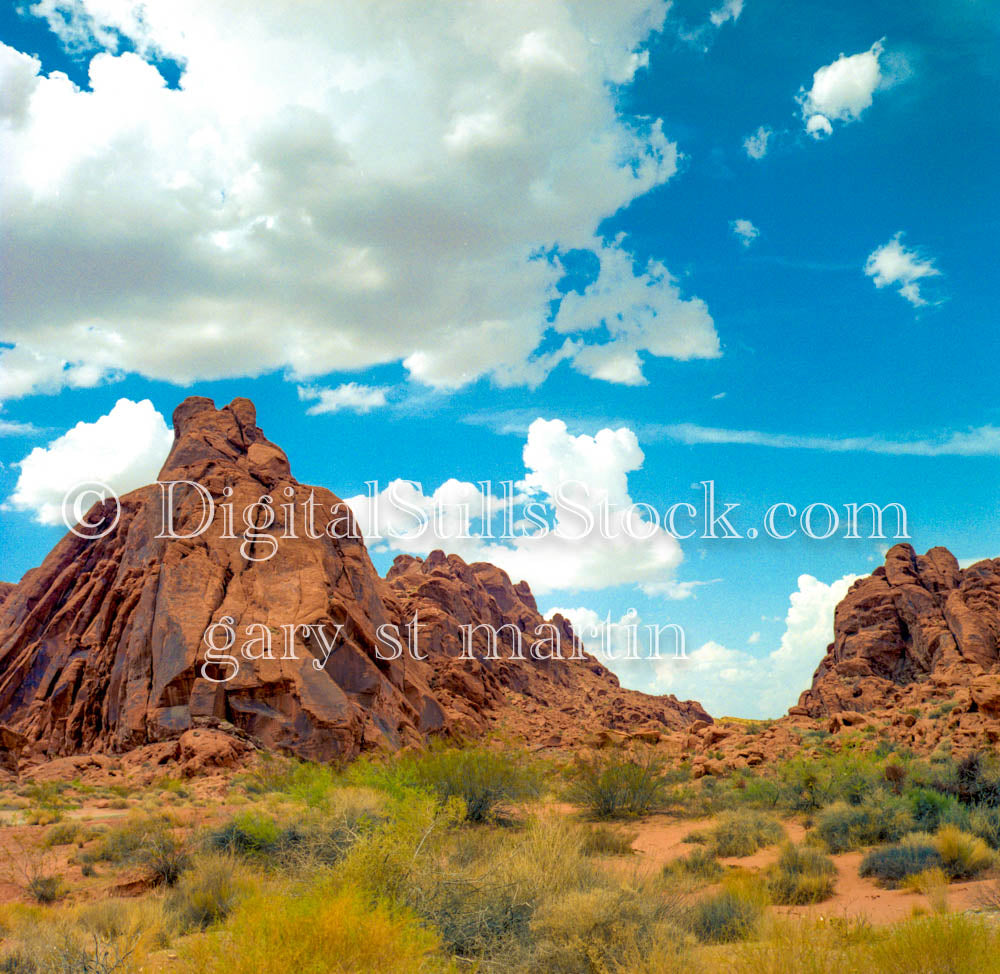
918, 619
101, 647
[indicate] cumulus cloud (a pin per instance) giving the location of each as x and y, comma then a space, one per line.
726, 681
744, 231
641, 312
123, 449
893, 264
730, 10
755, 144
333, 186
568, 479
841, 91
350, 396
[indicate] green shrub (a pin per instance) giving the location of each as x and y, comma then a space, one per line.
882, 818
482, 778
743, 832
802, 875
611, 785
247, 834
931, 809
892, 864
730, 915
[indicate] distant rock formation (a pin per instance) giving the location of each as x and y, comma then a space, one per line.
918, 619
101, 647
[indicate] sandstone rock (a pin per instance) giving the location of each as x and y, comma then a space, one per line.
919, 619
102, 649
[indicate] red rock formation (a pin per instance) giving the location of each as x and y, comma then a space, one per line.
6, 590
101, 647
919, 619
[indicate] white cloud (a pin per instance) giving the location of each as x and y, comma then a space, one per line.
730, 10
123, 449
9, 427
735, 682
566, 476
753, 638
755, 144
350, 396
841, 91
388, 189
745, 231
976, 442
818, 126
641, 312
893, 264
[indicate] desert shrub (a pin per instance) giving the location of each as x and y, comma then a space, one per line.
962, 855
734, 913
65, 833
603, 841
45, 888
207, 893
327, 930
321, 839
482, 778
611, 785
881, 818
932, 883
801, 875
984, 821
248, 834
124, 843
743, 832
890, 865
953, 943
699, 863
931, 809
591, 931
165, 856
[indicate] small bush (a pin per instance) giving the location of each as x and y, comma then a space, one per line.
165, 857
206, 894
699, 863
45, 888
962, 855
743, 832
611, 786
932, 809
890, 865
984, 821
247, 834
882, 818
802, 875
932, 883
482, 778
730, 915
328, 929
603, 841
66, 833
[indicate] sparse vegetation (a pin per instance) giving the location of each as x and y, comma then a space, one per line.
801, 875
612, 785
743, 832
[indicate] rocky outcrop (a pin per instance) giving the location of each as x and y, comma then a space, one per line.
542, 698
918, 620
6, 590
102, 648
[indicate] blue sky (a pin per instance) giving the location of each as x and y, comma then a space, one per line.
396, 219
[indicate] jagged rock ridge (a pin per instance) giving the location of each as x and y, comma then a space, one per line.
101, 647
917, 619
